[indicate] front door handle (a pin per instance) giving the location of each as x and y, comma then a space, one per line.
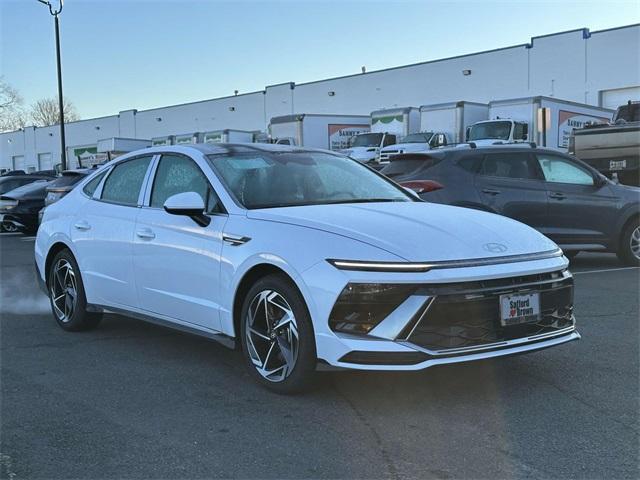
146, 234
558, 195
490, 191
82, 225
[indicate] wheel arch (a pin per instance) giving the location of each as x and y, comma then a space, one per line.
633, 216
55, 248
249, 278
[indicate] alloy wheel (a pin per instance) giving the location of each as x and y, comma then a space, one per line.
634, 242
64, 290
271, 335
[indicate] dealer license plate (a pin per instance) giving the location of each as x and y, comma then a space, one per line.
519, 308
617, 164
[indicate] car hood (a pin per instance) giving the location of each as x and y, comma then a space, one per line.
407, 147
417, 231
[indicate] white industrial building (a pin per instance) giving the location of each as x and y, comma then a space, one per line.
598, 68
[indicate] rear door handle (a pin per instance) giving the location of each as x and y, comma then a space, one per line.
82, 225
490, 191
146, 233
557, 195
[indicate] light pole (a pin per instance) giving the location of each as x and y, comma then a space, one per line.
55, 13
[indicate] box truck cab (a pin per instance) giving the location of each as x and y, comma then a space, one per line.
387, 127
415, 143
452, 118
546, 121
488, 132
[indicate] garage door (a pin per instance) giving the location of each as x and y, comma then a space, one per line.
18, 162
44, 161
619, 96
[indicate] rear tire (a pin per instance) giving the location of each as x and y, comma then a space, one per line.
276, 334
67, 296
629, 249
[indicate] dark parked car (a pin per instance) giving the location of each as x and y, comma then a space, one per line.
561, 196
11, 182
20, 208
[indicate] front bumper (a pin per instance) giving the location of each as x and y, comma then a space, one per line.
408, 339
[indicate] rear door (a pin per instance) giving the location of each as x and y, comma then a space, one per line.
510, 184
102, 232
581, 212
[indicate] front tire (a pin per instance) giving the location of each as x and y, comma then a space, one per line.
278, 343
629, 251
66, 294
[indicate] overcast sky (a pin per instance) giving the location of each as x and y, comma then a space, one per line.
122, 54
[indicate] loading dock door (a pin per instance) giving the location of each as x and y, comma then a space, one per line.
44, 161
619, 96
18, 162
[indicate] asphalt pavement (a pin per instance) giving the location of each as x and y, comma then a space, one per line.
134, 400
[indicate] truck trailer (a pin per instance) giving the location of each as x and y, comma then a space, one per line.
228, 136
452, 118
546, 121
387, 128
331, 132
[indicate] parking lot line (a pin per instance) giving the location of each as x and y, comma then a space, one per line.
27, 239
605, 270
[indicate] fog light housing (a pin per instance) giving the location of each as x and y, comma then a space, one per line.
362, 306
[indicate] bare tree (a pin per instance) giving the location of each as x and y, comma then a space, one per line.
45, 112
12, 114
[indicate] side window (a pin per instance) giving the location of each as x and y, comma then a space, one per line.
389, 140
520, 131
178, 174
509, 165
560, 170
125, 180
470, 163
91, 186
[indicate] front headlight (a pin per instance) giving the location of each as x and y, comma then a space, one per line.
362, 306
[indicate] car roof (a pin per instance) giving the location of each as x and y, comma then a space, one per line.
462, 151
219, 148
28, 176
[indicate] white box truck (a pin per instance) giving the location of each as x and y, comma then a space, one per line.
331, 132
228, 136
452, 118
544, 120
387, 128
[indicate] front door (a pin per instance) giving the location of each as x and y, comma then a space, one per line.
176, 261
510, 184
581, 212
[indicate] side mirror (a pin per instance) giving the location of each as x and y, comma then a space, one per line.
188, 204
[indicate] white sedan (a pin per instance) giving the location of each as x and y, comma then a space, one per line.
301, 258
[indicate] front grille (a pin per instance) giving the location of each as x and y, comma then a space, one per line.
467, 315
388, 154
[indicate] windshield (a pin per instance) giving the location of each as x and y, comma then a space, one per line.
490, 130
367, 140
417, 138
284, 179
